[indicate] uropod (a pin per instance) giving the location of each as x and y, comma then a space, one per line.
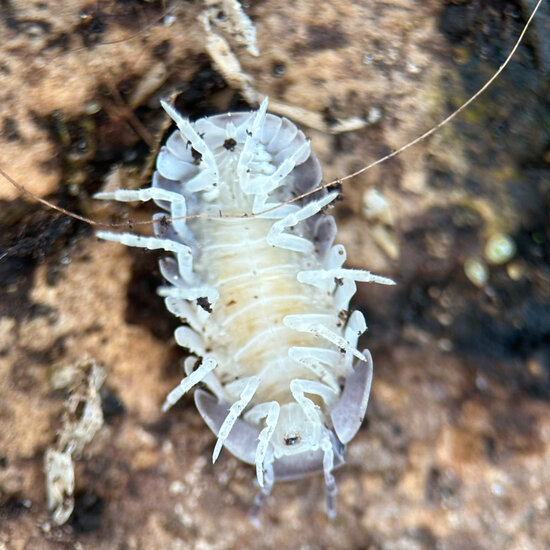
261, 291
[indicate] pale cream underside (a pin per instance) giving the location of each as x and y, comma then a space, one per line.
258, 287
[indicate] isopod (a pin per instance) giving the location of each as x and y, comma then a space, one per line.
264, 298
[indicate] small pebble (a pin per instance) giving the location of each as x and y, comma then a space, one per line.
499, 248
477, 272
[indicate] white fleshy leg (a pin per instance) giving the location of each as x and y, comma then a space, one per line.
297, 388
247, 154
269, 411
324, 278
186, 311
178, 206
261, 165
184, 303
163, 229
190, 293
251, 385
281, 210
191, 340
330, 485
203, 181
355, 327
266, 185
313, 323
328, 395
343, 294
183, 252
143, 195
207, 366
178, 213
336, 257
277, 236
210, 379
315, 360
189, 365
189, 133
262, 494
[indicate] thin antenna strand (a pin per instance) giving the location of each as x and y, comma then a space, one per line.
47, 203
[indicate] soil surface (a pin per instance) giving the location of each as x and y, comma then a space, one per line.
455, 450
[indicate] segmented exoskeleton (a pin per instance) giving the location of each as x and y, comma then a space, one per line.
264, 298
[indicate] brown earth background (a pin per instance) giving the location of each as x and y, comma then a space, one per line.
455, 451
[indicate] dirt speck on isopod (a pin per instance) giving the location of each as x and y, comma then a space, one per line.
458, 420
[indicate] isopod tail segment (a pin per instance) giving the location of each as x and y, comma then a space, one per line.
347, 417
293, 392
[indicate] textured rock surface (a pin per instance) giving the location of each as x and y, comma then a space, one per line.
455, 452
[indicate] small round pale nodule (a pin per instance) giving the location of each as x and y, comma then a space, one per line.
477, 271
377, 207
500, 248
515, 270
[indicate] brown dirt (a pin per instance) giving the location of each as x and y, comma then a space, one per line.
455, 451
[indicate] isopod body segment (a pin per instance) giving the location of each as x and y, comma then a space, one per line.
262, 293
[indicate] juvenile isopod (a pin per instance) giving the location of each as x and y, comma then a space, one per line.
264, 298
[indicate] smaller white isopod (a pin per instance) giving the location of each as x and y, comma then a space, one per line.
264, 298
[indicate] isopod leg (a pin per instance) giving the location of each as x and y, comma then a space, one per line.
143, 195
315, 359
330, 485
183, 252
313, 324
321, 277
210, 380
207, 366
261, 496
298, 388
275, 180
234, 412
269, 411
189, 133
277, 236
301, 387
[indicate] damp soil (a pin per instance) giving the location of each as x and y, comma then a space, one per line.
454, 452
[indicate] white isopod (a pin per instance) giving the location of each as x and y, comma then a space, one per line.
264, 298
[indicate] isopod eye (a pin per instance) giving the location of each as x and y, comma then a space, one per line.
292, 440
